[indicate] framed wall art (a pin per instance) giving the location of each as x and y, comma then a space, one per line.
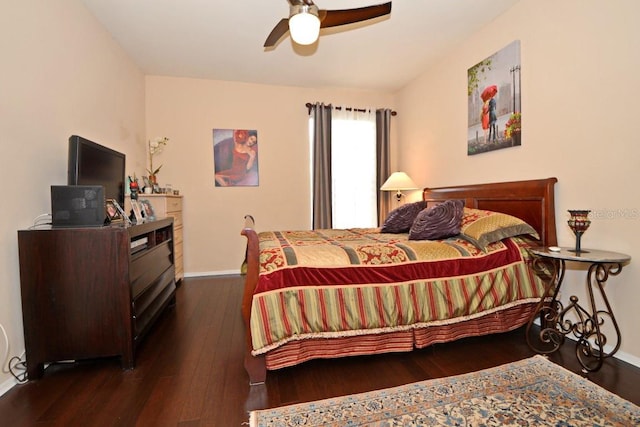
235, 157
494, 100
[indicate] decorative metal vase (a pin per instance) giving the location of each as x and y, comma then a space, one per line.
579, 222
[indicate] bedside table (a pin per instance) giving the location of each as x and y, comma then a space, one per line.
550, 266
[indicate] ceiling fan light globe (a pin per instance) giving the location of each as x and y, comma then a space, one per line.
304, 24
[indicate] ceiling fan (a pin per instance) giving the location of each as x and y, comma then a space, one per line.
305, 20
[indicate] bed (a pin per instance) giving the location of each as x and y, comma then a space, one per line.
334, 293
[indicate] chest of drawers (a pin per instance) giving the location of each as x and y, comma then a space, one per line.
170, 206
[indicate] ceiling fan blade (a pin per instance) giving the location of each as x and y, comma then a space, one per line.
333, 18
277, 33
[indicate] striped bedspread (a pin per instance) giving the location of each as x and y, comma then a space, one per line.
340, 283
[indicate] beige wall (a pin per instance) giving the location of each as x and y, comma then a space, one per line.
187, 110
580, 62
61, 74
60, 78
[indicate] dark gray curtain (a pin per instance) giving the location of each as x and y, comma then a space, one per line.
322, 213
383, 144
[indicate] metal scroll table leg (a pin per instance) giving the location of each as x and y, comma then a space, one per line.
591, 339
550, 338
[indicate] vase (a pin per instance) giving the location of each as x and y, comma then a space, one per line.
515, 138
579, 223
153, 179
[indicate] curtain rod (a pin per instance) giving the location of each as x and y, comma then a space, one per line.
360, 110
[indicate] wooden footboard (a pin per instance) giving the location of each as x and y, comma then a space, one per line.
255, 366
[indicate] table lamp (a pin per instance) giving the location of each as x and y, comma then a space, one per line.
397, 182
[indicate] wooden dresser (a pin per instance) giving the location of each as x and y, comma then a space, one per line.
93, 292
165, 205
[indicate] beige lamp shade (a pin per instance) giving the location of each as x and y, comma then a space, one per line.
397, 182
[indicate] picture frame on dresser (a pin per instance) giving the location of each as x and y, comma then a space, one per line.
123, 214
137, 211
113, 213
147, 209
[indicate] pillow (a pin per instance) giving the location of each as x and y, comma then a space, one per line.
485, 227
438, 222
400, 219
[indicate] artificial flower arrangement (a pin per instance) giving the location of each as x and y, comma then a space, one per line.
513, 125
155, 146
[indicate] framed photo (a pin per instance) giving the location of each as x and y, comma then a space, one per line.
147, 210
113, 214
235, 157
121, 211
137, 211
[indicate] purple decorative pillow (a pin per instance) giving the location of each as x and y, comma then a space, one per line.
400, 219
438, 222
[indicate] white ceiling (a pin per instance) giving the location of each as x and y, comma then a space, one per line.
223, 40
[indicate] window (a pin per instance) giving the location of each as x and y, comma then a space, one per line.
353, 169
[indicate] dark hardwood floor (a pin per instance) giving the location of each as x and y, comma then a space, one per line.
190, 372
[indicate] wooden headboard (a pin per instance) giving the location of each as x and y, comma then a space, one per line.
532, 201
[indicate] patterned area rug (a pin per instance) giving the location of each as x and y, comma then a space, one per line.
530, 392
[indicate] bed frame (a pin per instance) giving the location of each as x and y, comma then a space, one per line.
531, 201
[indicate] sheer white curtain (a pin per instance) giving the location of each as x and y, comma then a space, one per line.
353, 167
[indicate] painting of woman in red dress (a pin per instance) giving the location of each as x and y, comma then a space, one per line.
235, 155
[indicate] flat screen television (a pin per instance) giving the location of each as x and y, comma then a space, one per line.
93, 164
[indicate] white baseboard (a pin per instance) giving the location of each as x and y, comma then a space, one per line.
213, 273
620, 355
629, 358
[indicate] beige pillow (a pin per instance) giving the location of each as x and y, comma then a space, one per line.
482, 227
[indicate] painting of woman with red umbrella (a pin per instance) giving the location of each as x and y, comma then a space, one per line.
493, 91
488, 125
489, 100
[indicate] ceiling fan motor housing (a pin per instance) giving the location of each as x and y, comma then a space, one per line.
303, 8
